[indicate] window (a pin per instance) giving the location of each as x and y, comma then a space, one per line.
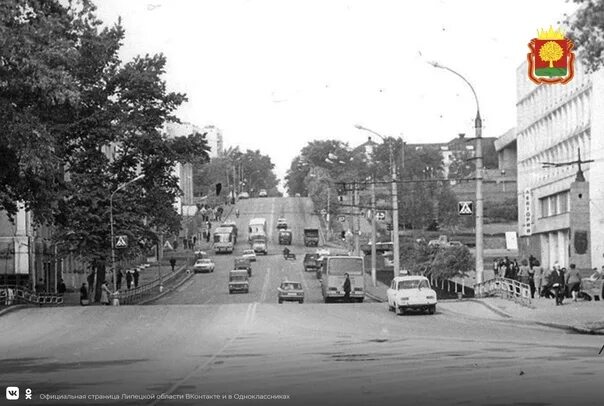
555, 204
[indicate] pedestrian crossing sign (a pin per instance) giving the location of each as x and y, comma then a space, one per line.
465, 208
121, 241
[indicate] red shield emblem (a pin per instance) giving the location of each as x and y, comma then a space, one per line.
551, 59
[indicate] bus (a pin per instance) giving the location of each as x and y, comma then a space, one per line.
256, 227
333, 276
224, 240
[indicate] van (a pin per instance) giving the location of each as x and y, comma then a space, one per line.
239, 281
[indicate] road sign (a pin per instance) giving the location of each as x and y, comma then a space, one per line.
342, 219
121, 241
380, 215
465, 208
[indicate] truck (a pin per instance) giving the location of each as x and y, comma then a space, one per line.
259, 244
311, 237
285, 237
224, 240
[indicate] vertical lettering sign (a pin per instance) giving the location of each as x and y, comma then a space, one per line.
528, 213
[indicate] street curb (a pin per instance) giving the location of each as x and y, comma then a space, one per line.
168, 290
492, 308
13, 308
373, 297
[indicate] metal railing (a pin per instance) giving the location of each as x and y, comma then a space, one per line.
505, 288
455, 288
135, 295
11, 295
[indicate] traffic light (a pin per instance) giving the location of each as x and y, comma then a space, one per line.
218, 188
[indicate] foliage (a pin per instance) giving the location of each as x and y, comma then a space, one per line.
506, 210
257, 172
76, 124
587, 25
440, 263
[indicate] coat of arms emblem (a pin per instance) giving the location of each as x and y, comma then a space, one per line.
551, 59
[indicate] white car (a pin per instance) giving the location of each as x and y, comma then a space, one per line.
244, 195
249, 254
204, 265
262, 193
322, 252
411, 292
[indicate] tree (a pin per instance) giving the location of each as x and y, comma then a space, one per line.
38, 52
586, 26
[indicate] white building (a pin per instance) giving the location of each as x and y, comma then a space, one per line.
555, 213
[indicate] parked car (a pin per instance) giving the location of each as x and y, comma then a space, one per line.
239, 281
249, 254
290, 291
244, 195
411, 293
262, 193
281, 223
204, 265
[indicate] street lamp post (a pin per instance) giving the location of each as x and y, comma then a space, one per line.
395, 239
115, 301
479, 164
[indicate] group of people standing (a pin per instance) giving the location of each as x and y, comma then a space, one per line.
557, 282
211, 214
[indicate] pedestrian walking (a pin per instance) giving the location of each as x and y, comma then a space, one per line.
105, 294
61, 288
84, 295
129, 279
135, 276
573, 282
346, 288
172, 263
558, 280
118, 281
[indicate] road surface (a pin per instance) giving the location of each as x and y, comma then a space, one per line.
201, 341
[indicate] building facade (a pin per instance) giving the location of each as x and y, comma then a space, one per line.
561, 218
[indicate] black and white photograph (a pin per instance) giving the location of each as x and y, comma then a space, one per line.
301, 202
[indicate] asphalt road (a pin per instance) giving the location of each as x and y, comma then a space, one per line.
247, 344
269, 270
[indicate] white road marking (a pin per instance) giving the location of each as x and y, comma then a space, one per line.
267, 279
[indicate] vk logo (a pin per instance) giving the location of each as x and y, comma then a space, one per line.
12, 393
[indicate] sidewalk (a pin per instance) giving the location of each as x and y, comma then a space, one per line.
582, 316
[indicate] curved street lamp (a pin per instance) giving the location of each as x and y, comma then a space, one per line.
478, 157
395, 239
116, 300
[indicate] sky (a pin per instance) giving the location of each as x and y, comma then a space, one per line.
276, 74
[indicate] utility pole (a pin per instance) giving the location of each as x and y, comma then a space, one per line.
479, 199
357, 235
395, 242
328, 217
373, 235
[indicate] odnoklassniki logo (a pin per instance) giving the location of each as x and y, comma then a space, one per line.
551, 59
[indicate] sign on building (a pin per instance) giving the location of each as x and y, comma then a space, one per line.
527, 219
511, 242
380, 215
465, 208
342, 219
